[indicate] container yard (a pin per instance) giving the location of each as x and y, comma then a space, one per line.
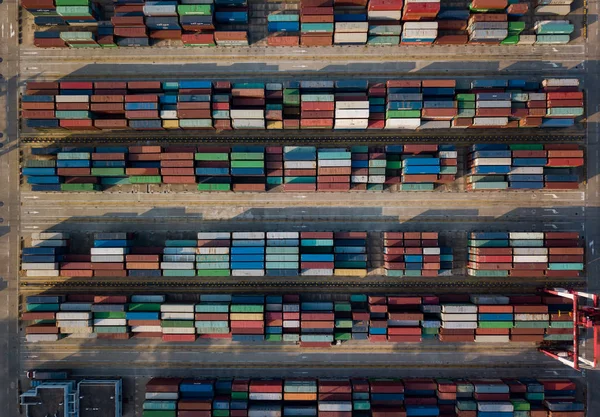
308, 321
305, 105
299, 208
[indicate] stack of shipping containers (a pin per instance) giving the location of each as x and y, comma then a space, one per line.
212, 168
274, 105
316, 22
333, 169
109, 317
43, 257
274, 318
282, 256
274, 166
384, 22
248, 106
212, 316
517, 254
316, 253
317, 322
291, 318
283, 28
350, 253
459, 322
351, 104
221, 102
179, 258
248, 254
318, 104
213, 254
248, 168
143, 316
247, 314
177, 322
378, 318
300, 168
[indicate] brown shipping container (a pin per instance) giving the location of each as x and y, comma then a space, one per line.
283, 40
111, 123
452, 39
194, 106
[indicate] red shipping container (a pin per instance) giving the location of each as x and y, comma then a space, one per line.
142, 171
165, 34
141, 114
452, 39
82, 124
111, 124
179, 337
177, 164
282, 40
144, 85
317, 265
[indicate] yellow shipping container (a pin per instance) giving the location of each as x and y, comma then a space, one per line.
350, 272
246, 316
274, 124
171, 124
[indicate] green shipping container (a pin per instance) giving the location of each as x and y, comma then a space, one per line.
195, 9
211, 157
393, 164
317, 242
42, 307
214, 273
417, 187
495, 325
145, 179
317, 27
462, 97
273, 338
211, 308
80, 187
214, 187
247, 156
247, 164
159, 413
343, 323
520, 405
110, 315
160, 405
361, 405
247, 308
526, 147
77, 36
179, 272
212, 258
300, 180
108, 172
177, 323
383, 40
73, 114
201, 266
490, 185
555, 111
110, 329
493, 274
343, 307
274, 180
552, 39
402, 114
565, 266
239, 395
516, 27
511, 40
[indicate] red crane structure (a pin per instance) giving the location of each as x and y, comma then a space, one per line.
586, 317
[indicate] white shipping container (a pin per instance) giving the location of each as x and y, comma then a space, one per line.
435, 124
404, 123
291, 323
561, 82
248, 272
484, 34
343, 38
266, 396
317, 84
376, 179
530, 251
178, 330
527, 39
458, 317
161, 395
71, 99
108, 258
448, 154
177, 265
42, 273
247, 114
492, 338
212, 251
530, 259
39, 266
385, 15
149, 329
431, 251
490, 299
553, 10
459, 308
83, 331
527, 170
531, 317
351, 123
459, 325
248, 235
352, 113
316, 272
490, 121
257, 123
171, 315
64, 315
283, 235
359, 179
345, 105
54, 243
73, 323
491, 161
495, 406
350, 27
34, 338
526, 235
335, 406
420, 33
110, 322
420, 26
300, 164
487, 26
108, 251
169, 114
49, 236
493, 104
213, 235
177, 308
554, 3
334, 163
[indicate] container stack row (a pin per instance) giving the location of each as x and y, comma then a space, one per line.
212, 254
294, 318
376, 397
525, 254
501, 167
42, 258
398, 104
140, 24
415, 254
553, 32
283, 28
244, 168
